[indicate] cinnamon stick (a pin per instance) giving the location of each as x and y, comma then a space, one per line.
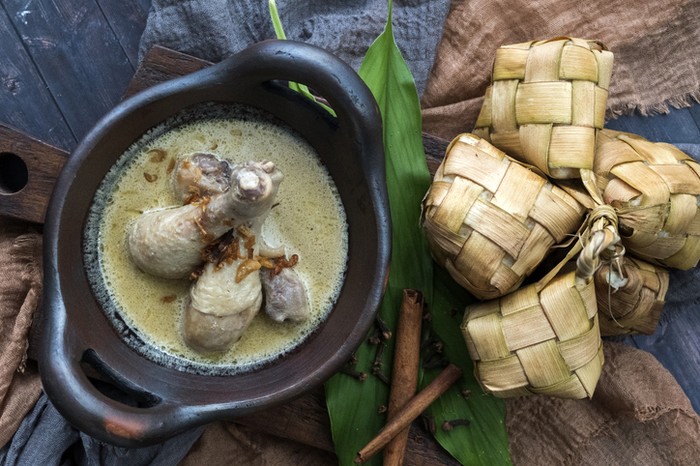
404, 375
410, 411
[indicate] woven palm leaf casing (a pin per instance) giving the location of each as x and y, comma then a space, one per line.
490, 220
546, 101
655, 188
634, 306
532, 341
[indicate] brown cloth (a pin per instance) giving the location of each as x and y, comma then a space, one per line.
20, 290
638, 415
655, 44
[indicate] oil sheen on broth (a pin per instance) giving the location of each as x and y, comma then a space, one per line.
309, 220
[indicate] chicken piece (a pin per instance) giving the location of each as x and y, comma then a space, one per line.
221, 308
227, 294
202, 174
285, 295
199, 175
168, 242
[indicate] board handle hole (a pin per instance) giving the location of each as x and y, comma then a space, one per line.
13, 173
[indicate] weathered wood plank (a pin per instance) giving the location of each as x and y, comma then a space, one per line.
25, 102
161, 64
676, 126
77, 54
127, 18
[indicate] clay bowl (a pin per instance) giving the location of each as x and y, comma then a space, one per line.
77, 338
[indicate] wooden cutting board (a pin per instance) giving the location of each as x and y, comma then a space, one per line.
305, 419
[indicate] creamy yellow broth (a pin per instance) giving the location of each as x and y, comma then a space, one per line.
309, 220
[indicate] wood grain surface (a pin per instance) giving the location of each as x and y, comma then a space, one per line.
64, 64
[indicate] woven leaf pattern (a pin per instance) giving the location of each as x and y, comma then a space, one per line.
537, 341
490, 220
636, 305
546, 101
655, 188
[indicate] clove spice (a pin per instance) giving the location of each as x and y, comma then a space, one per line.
377, 372
378, 355
383, 329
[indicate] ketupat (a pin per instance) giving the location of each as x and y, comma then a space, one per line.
630, 295
544, 338
548, 110
655, 188
490, 220
546, 103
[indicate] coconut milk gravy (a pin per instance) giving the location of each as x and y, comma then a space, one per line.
309, 221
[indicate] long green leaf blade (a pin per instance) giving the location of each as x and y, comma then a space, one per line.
353, 405
303, 89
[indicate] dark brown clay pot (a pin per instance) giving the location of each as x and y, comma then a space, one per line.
75, 331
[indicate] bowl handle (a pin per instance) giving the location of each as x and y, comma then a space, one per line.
119, 423
336, 82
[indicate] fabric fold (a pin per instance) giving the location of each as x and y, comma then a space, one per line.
638, 415
650, 40
20, 291
216, 29
45, 438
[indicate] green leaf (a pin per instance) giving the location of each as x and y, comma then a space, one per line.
485, 440
279, 32
353, 405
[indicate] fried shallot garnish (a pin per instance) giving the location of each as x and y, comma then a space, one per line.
227, 249
246, 267
278, 263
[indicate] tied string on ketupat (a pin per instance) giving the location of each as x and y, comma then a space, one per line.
630, 291
598, 242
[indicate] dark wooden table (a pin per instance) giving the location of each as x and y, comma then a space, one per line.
63, 64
